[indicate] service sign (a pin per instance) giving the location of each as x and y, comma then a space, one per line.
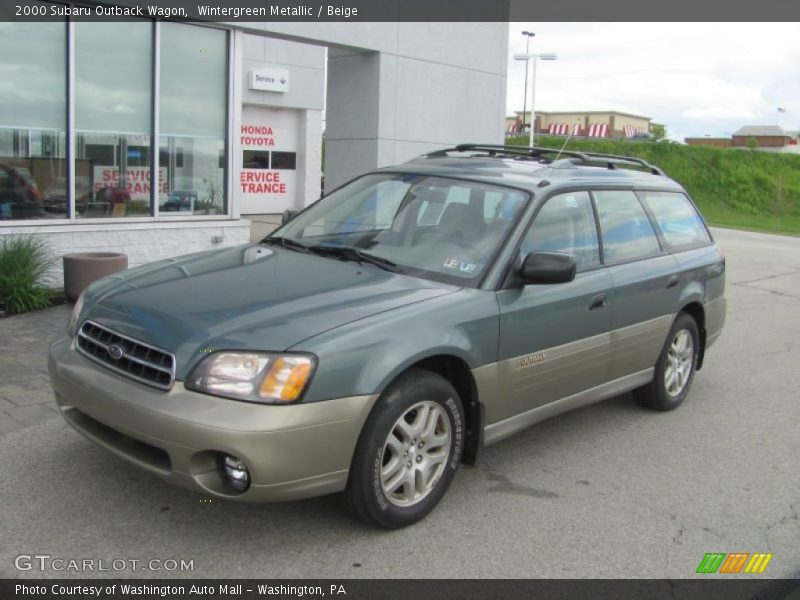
268, 142
269, 80
137, 180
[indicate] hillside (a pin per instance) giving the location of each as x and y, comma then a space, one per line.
734, 188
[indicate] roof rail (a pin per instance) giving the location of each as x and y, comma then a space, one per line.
588, 158
507, 150
613, 159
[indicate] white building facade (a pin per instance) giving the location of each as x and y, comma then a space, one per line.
157, 139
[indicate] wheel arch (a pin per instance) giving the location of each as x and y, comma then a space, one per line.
457, 372
695, 309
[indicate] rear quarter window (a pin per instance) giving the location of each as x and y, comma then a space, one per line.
677, 219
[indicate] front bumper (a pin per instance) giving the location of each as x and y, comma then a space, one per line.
293, 451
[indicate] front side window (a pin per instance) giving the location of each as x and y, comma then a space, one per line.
677, 219
431, 227
565, 224
626, 230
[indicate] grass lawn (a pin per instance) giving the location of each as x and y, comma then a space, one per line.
742, 189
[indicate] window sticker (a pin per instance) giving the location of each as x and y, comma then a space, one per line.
468, 267
450, 263
460, 265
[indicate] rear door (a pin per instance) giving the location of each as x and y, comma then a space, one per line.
554, 338
645, 279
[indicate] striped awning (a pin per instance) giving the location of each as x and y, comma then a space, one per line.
630, 130
597, 130
564, 129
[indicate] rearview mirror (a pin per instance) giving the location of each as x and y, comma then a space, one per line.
288, 215
547, 267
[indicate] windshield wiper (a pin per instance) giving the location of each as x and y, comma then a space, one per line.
288, 243
354, 254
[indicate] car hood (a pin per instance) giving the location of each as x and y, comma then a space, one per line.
247, 297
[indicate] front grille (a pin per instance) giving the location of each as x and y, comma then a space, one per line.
136, 360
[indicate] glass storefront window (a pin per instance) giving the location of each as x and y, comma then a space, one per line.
113, 118
192, 120
33, 93
116, 161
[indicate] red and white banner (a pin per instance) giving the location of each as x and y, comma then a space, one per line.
598, 130
630, 130
564, 129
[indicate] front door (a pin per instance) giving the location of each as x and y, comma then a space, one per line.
554, 338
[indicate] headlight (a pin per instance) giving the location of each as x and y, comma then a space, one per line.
253, 376
72, 324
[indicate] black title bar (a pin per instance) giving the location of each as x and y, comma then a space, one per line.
398, 589
244, 11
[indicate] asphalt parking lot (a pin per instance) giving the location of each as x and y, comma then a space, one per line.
611, 490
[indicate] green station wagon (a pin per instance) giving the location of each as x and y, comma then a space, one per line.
386, 333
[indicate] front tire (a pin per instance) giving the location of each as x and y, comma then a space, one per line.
408, 451
675, 368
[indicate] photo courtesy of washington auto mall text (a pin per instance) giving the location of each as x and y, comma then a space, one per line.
140, 590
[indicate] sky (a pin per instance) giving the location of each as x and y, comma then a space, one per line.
696, 78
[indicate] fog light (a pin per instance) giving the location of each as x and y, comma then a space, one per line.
236, 473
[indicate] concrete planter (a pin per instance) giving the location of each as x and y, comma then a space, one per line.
83, 268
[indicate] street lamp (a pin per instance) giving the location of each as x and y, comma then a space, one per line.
534, 56
528, 35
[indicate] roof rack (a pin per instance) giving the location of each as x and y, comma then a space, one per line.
610, 161
505, 150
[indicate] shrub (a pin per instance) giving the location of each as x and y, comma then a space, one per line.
24, 263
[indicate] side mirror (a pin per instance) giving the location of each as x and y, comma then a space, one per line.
288, 215
547, 267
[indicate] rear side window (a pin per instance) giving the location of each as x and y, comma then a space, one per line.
626, 230
677, 219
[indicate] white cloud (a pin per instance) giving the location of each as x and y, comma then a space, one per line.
697, 78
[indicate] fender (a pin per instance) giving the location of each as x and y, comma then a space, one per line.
463, 324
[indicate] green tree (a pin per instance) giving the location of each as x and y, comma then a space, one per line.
658, 131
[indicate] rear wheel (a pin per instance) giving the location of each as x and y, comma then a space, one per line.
408, 452
675, 368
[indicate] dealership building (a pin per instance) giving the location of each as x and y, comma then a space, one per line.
158, 138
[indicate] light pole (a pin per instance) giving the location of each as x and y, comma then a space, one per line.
777, 113
534, 56
528, 35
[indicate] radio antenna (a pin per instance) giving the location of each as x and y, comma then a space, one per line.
564, 145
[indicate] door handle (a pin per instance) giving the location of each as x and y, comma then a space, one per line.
673, 281
598, 301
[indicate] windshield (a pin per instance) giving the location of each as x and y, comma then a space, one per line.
443, 229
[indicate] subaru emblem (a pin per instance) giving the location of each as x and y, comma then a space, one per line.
115, 352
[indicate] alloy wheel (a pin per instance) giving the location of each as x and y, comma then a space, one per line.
415, 454
680, 362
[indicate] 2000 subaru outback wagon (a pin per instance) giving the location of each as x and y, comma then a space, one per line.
384, 334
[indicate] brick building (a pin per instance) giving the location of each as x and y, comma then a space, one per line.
770, 138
